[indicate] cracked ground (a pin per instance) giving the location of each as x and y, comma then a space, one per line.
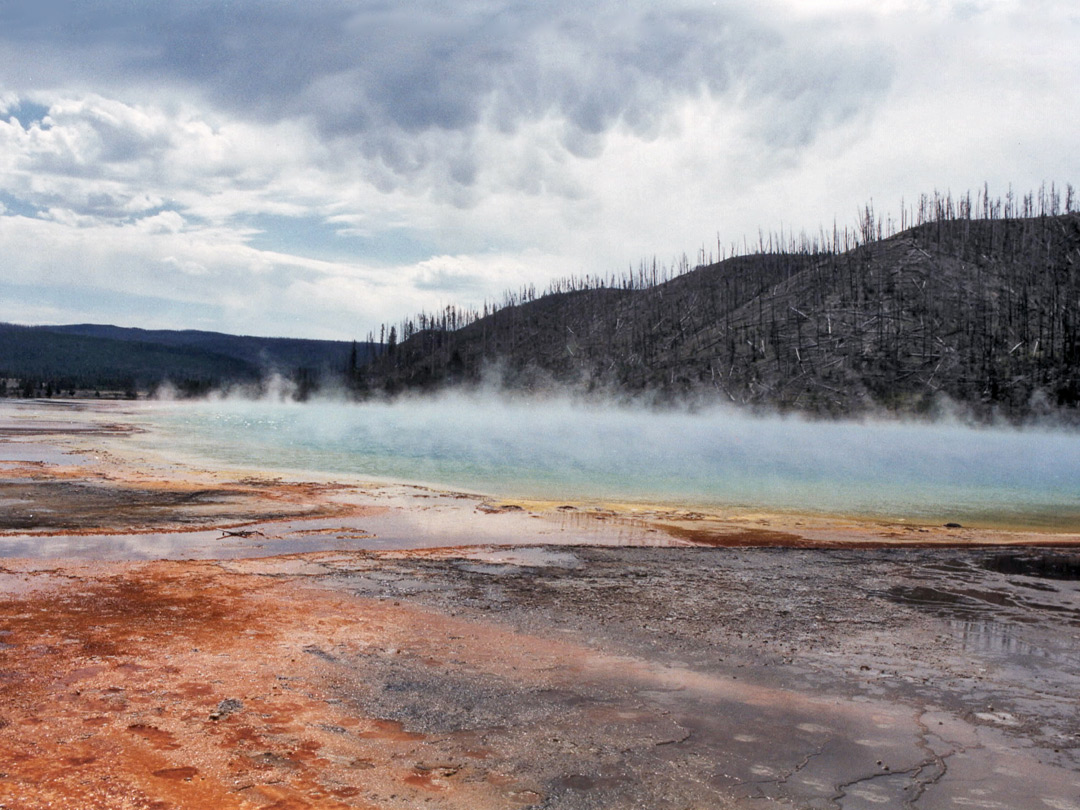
571, 677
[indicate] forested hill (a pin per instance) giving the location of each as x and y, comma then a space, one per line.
985, 311
44, 360
262, 353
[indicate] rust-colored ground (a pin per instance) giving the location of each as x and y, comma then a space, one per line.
500, 678
180, 685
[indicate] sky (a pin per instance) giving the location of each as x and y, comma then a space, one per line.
315, 169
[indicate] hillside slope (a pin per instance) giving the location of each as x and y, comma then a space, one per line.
985, 312
40, 359
99, 357
266, 354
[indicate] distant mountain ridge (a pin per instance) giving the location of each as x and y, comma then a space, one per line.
94, 357
264, 353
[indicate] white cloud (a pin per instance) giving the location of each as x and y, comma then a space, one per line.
536, 142
167, 222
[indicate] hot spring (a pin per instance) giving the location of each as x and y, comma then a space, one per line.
556, 449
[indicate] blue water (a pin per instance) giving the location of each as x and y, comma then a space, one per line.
555, 449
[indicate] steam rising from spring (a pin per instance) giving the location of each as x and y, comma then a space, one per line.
555, 448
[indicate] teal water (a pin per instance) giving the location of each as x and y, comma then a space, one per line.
555, 449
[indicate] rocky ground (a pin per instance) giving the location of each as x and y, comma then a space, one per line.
575, 677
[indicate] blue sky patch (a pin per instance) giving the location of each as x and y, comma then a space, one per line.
26, 113
83, 304
313, 236
13, 206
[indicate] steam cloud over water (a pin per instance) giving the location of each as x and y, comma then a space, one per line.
559, 449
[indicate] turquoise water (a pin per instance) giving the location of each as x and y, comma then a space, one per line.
555, 449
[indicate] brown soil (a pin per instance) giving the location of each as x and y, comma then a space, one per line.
50, 500
735, 538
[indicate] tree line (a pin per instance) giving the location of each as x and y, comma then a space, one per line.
971, 298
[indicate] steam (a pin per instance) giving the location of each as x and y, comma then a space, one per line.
274, 387
556, 447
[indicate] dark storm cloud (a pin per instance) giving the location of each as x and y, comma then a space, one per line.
382, 73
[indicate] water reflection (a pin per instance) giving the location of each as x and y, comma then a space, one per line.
450, 524
988, 637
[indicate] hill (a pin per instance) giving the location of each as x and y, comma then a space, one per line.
982, 311
265, 354
87, 357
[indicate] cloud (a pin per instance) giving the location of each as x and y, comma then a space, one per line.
470, 280
106, 157
361, 160
384, 78
455, 101
67, 264
66, 258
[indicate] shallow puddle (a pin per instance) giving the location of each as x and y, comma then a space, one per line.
1064, 565
1001, 639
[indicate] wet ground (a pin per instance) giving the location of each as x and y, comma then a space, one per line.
426, 649
577, 677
